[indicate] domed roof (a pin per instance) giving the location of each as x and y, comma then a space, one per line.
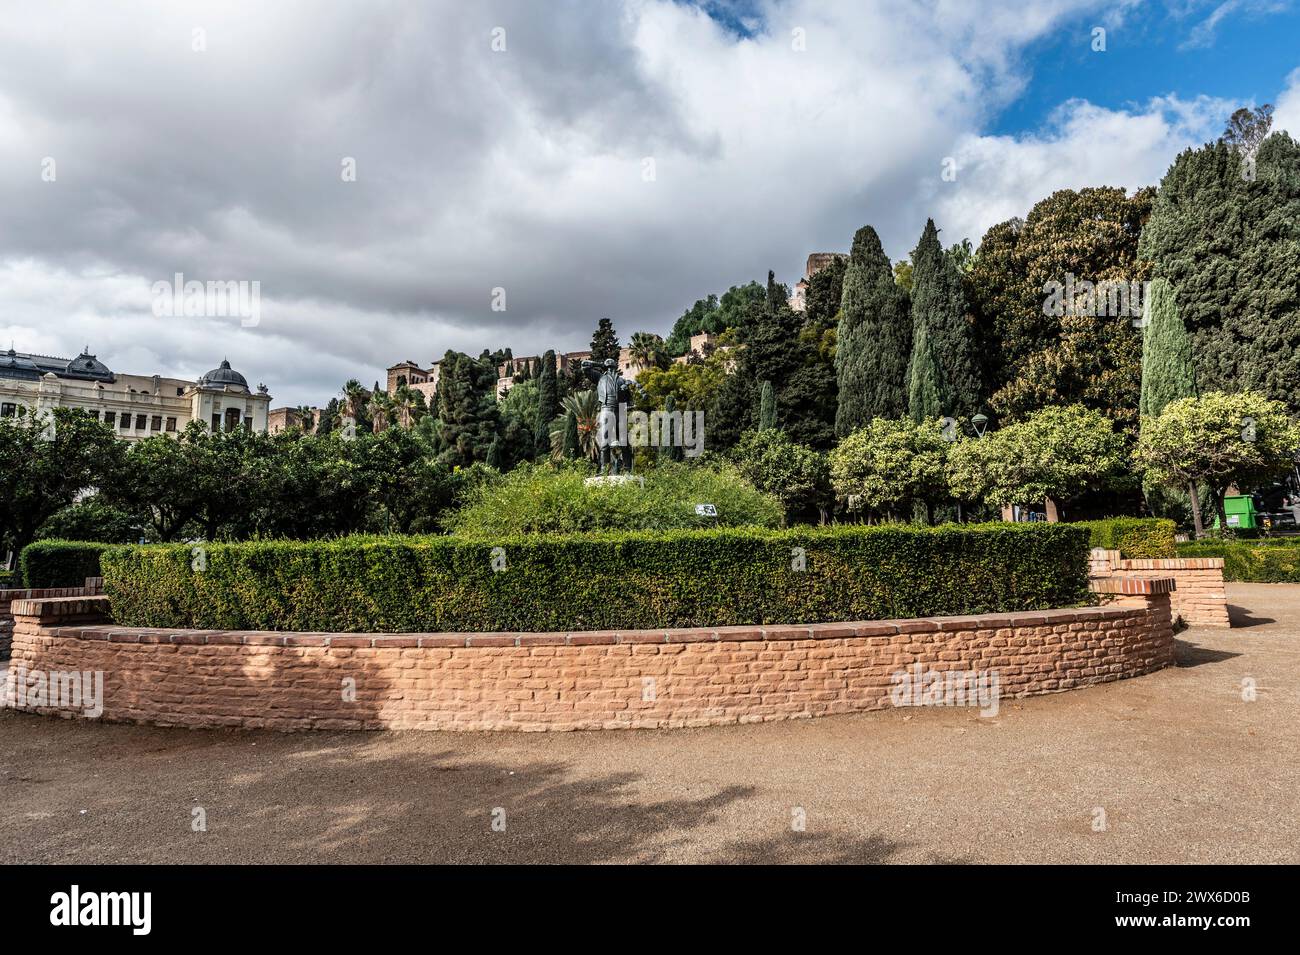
224, 377
14, 365
87, 365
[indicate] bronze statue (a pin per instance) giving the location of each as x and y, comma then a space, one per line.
613, 392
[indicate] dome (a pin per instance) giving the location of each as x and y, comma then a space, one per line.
14, 365
224, 377
87, 365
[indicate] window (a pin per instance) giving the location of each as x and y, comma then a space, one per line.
216, 422
171, 424
141, 422
179, 392
155, 423
248, 424
8, 410
124, 420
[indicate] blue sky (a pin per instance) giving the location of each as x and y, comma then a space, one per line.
1157, 50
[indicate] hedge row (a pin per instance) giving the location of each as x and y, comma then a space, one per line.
59, 563
1136, 538
639, 580
1263, 562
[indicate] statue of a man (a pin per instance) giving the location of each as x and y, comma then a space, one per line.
613, 392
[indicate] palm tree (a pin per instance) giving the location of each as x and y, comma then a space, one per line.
355, 398
382, 411
404, 404
306, 418
586, 409
646, 349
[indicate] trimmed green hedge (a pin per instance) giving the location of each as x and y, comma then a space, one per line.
1136, 538
1263, 562
59, 563
625, 580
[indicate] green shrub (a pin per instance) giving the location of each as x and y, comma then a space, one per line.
598, 581
91, 520
1275, 561
59, 563
534, 500
1136, 538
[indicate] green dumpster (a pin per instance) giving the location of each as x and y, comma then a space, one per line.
1240, 510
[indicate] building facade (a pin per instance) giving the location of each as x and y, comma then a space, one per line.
135, 406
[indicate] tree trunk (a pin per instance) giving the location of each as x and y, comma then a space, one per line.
929, 513
1053, 514
1220, 509
1196, 511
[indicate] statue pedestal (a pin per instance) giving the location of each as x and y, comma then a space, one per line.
615, 480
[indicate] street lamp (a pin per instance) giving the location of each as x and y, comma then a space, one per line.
979, 422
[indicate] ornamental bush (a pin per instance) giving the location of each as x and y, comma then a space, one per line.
634, 580
1136, 538
59, 563
544, 499
1262, 562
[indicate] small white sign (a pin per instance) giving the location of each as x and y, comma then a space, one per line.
706, 510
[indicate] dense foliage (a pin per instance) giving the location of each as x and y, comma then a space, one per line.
58, 563
533, 500
1137, 538
1262, 561
874, 339
612, 580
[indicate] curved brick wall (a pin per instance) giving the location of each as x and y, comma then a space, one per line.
590, 680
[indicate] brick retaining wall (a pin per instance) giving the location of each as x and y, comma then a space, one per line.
1200, 598
570, 681
94, 585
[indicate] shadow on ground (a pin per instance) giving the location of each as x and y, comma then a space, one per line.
1241, 617
1187, 654
361, 798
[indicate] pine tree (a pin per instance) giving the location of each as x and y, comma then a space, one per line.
925, 385
1167, 373
874, 338
939, 306
767, 408
604, 343
548, 404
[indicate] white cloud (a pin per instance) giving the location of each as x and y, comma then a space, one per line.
1084, 145
1286, 111
477, 169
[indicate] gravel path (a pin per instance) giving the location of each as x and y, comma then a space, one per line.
1183, 768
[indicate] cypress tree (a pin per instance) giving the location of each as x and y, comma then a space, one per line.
548, 404
1225, 232
1167, 373
467, 408
874, 338
939, 306
673, 451
767, 408
571, 436
925, 386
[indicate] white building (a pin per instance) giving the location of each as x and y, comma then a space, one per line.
136, 406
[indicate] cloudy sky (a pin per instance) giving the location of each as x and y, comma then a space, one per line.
589, 158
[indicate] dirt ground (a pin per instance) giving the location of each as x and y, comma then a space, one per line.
1178, 766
